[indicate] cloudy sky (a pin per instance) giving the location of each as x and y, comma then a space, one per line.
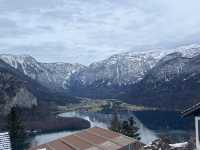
89, 30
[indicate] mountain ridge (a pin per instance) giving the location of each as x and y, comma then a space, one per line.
17, 89
130, 75
46, 74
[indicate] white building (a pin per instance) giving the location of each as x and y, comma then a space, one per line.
5, 143
194, 111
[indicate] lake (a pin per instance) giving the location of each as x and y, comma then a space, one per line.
152, 124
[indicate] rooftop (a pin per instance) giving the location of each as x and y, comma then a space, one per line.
92, 139
192, 111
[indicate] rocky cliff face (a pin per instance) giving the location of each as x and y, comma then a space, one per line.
127, 68
153, 78
17, 89
138, 74
168, 68
22, 99
13, 92
173, 83
122, 69
51, 75
118, 70
60, 73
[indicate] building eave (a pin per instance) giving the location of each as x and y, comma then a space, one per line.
191, 111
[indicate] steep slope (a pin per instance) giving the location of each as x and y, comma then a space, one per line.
174, 83
52, 75
116, 74
60, 73
167, 68
108, 77
119, 69
19, 89
152, 78
13, 91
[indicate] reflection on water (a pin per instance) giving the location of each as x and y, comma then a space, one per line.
96, 120
103, 120
161, 123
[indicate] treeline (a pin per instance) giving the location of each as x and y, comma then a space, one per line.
126, 127
23, 123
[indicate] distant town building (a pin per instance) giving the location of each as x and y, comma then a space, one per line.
194, 111
92, 139
5, 143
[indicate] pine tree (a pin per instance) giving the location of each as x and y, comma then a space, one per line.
16, 130
115, 123
133, 129
127, 127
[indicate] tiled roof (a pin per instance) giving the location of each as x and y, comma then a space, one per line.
91, 139
5, 141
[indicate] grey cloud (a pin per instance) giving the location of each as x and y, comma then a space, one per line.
90, 30
7, 23
9, 28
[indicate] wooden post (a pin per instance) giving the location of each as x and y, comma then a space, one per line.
197, 119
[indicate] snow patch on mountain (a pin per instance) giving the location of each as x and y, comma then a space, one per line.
120, 69
50, 75
130, 67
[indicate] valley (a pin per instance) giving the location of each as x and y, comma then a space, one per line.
162, 79
98, 112
151, 124
61, 98
117, 74
96, 105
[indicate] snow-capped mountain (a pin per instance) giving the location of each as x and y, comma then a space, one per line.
127, 68
169, 67
143, 76
14, 89
153, 78
61, 72
51, 75
119, 69
173, 83
18, 89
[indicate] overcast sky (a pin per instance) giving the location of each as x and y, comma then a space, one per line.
84, 31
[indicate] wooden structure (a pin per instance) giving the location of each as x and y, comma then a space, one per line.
92, 139
195, 112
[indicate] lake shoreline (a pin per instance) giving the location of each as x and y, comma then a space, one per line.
98, 105
102, 119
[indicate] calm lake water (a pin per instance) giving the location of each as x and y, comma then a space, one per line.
152, 124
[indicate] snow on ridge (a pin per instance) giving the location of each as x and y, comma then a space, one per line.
187, 51
52, 75
124, 68
131, 67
